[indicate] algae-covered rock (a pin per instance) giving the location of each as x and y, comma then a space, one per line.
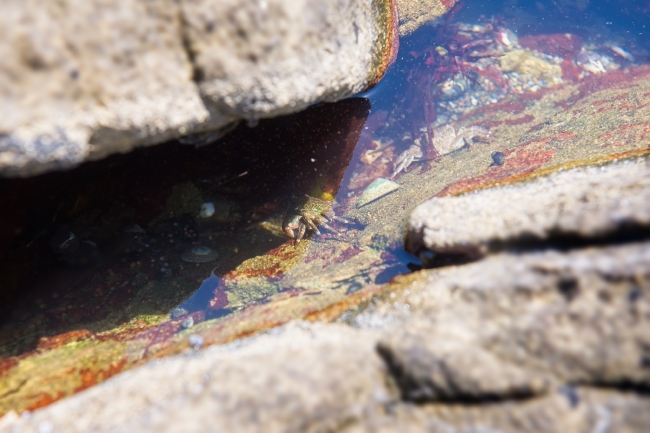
524, 62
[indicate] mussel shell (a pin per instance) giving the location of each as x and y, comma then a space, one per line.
377, 189
200, 254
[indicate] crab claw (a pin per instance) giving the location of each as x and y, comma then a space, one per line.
289, 232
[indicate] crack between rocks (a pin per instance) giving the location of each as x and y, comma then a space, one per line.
556, 241
197, 74
400, 379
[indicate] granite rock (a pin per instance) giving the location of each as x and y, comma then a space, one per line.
85, 79
518, 326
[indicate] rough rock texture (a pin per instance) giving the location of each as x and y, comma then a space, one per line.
259, 60
546, 342
302, 378
84, 79
515, 326
414, 13
593, 202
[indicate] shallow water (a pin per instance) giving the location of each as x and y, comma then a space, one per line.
94, 280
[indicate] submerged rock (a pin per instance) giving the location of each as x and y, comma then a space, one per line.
525, 62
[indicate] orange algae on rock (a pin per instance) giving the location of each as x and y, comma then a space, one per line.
387, 44
55, 341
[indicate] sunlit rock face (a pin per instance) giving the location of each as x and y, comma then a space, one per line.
81, 80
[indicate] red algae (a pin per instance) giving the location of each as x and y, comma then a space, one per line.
43, 399
610, 80
90, 377
609, 101
520, 120
495, 75
519, 162
626, 134
219, 299
570, 71
448, 3
7, 364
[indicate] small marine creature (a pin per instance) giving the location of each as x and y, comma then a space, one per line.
498, 158
309, 214
200, 254
622, 53
188, 322
445, 140
371, 155
406, 158
377, 189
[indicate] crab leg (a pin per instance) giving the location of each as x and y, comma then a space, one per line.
308, 219
331, 229
339, 219
301, 232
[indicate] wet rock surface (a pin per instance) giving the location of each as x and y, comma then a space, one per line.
522, 325
544, 337
593, 203
545, 342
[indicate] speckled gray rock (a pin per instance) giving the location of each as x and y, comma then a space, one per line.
84, 79
518, 326
589, 203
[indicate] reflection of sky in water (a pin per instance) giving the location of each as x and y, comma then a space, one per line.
199, 299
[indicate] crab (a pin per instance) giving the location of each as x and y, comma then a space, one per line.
309, 214
445, 140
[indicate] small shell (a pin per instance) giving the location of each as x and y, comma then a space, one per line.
377, 189
199, 254
498, 158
